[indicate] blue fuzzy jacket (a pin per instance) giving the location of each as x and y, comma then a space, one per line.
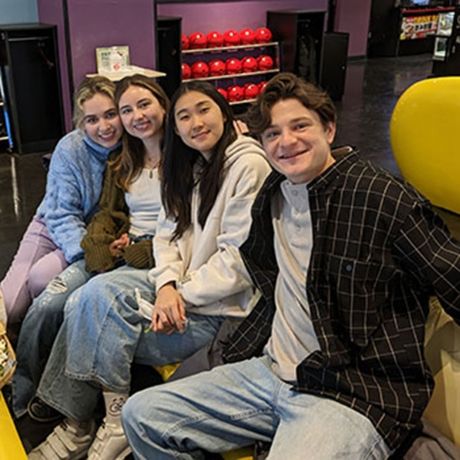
73, 188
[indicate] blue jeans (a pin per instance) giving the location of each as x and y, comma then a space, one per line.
39, 330
103, 333
234, 405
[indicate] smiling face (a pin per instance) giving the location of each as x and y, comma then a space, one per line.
141, 113
199, 121
297, 144
101, 122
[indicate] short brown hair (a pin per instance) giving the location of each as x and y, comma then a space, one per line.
288, 86
88, 88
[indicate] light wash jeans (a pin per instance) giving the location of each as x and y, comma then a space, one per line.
37, 261
38, 331
103, 333
234, 405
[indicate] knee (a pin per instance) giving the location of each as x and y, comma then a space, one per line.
133, 417
37, 280
130, 414
137, 411
53, 298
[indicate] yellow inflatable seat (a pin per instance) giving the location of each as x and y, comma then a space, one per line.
442, 352
10, 444
425, 137
239, 454
167, 370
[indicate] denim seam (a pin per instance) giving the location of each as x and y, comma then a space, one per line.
196, 420
377, 440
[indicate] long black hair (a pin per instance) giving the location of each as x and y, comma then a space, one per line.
178, 178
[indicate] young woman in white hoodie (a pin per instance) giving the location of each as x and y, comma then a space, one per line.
210, 178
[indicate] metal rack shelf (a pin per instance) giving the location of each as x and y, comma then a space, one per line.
235, 75
229, 48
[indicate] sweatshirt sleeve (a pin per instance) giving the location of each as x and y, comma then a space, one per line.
224, 273
169, 266
65, 219
107, 224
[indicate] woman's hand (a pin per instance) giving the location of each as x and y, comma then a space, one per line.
169, 311
116, 247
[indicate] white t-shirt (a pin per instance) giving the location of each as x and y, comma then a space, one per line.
293, 336
144, 203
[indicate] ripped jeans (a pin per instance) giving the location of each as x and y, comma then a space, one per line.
38, 331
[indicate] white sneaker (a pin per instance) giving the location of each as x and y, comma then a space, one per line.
110, 443
65, 442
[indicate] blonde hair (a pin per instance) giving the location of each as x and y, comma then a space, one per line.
88, 88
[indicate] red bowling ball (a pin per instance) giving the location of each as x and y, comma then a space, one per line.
263, 35
233, 66
262, 86
235, 93
186, 71
265, 62
247, 36
197, 40
185, 42
215, 39
223, 92
231, 38
251, 91
200, 69
249, 64
217, 67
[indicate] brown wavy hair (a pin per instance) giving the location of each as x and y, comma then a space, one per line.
288, 86
129, 163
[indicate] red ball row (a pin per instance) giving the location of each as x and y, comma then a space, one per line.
232, 66
230, 37
240, 93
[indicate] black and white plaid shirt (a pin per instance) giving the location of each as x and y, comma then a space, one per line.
379, 251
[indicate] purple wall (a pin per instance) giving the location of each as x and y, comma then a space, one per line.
121, 22
204, 17
102, 23
51, 12
353, 16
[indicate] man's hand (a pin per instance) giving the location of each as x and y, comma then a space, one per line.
169, 311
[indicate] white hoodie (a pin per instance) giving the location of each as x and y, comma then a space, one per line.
205, 263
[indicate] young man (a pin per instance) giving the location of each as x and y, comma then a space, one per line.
330, 362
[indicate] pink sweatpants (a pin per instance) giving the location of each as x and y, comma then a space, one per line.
36, 263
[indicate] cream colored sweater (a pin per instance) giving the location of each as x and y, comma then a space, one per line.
205, 263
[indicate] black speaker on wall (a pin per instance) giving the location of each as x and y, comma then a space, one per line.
334, 63
29, 70
300, 34
169, 52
